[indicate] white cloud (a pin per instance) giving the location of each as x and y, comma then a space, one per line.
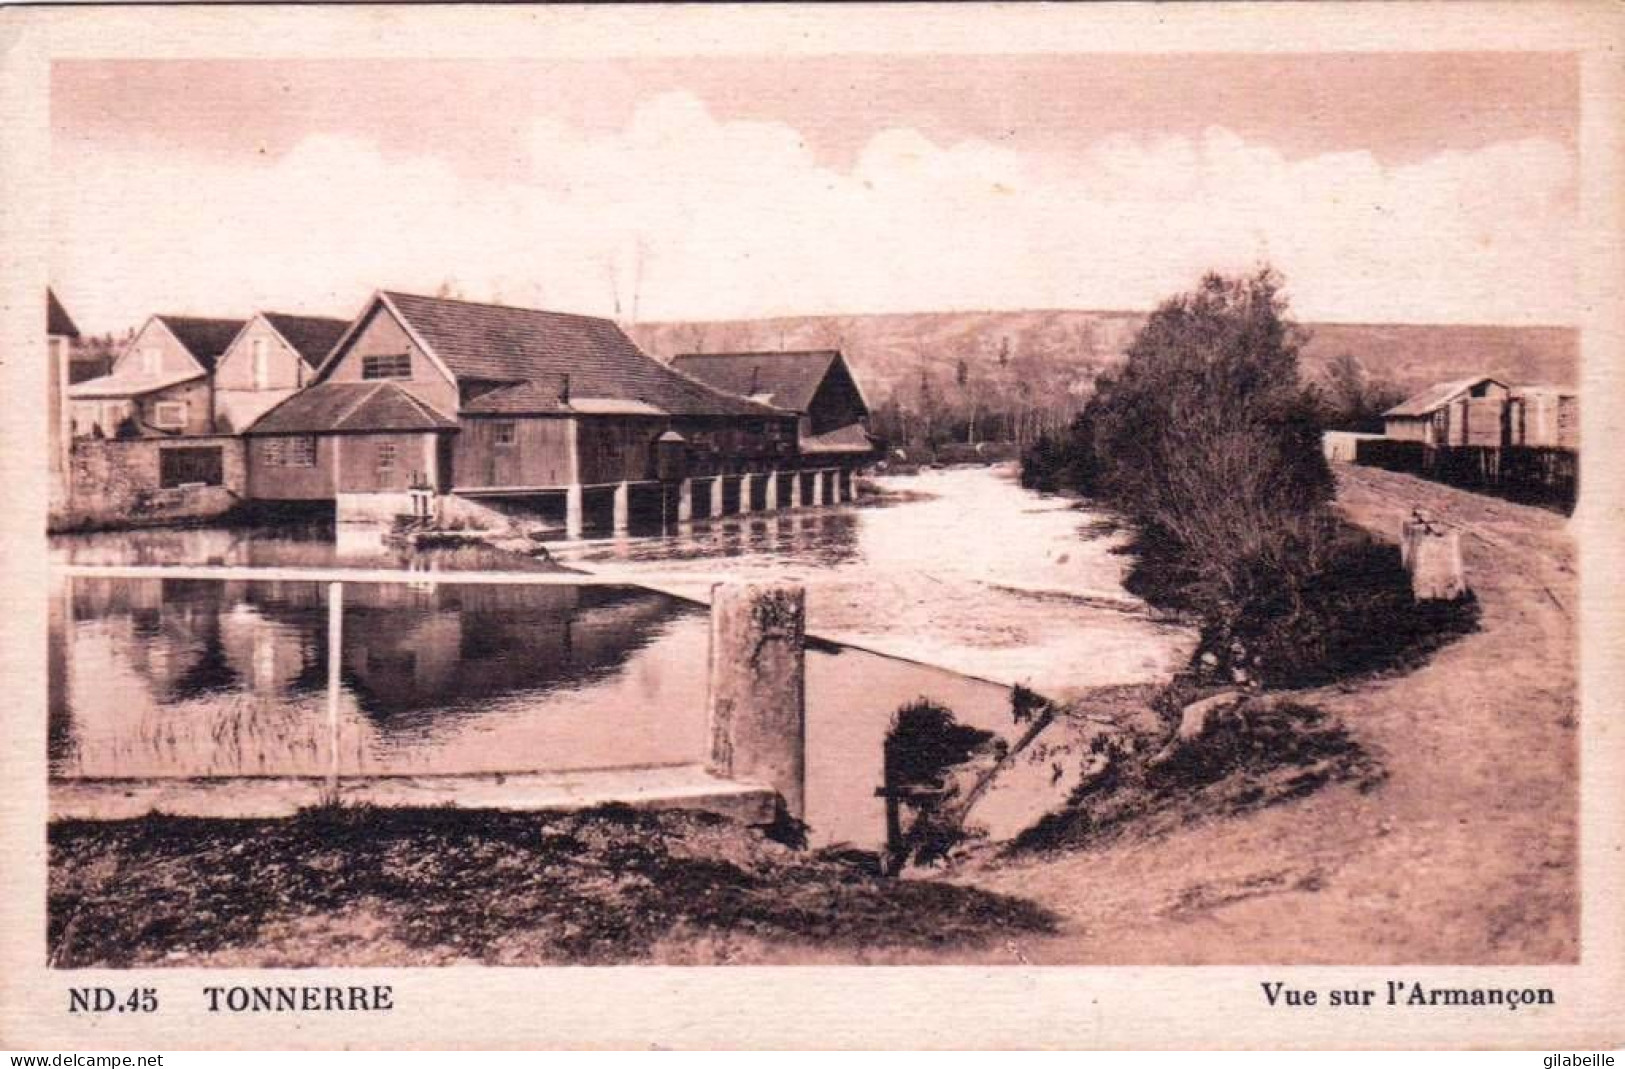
706, 218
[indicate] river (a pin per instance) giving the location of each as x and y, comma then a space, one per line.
962, 584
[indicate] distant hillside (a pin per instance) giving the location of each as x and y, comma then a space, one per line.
1070, 347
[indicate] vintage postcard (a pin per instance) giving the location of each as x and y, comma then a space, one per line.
922, 525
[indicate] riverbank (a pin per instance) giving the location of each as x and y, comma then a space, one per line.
1465, 854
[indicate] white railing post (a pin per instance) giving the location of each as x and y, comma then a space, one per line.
335, 652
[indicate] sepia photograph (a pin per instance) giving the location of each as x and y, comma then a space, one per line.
848, 506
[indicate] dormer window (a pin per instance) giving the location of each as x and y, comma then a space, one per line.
389, 366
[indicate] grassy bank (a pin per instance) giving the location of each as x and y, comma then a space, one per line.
440, 886
1430, 816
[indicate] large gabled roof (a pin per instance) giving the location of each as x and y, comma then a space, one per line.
1437, 396
355, 407
205, 339
312, 337
551, 356
784, 380
57, 321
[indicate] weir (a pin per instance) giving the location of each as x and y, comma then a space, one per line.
752, 770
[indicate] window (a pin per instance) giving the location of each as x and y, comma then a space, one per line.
200, 465
293, 452
391, 366
149, 361
505, 433
262, 365
386, 456
169, 415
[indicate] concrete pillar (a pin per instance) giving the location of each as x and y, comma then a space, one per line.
795, 489
757, 695
770, 493
1433, 558
818, 489
716, 496
623, 507
744, 494
685, 501
848, 491
572, 511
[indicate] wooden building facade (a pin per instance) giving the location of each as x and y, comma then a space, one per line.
490, 401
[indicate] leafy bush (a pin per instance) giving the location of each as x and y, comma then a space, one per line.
1209, 442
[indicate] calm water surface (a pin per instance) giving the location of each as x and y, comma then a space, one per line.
175, 678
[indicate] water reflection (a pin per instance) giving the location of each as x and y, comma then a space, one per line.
179, 678
308, 544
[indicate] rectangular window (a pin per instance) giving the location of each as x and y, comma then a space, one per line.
386, 456
170, 415
262, 365
198, 466
296, 452
505, 434
149, 361
390, 366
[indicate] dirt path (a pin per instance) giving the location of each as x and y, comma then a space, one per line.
1466, 855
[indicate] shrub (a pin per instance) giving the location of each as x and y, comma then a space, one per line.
1209, 442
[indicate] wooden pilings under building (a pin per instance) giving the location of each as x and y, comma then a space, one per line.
649, 505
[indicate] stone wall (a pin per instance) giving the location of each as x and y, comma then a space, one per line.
115, 483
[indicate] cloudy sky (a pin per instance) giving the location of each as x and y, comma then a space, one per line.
1416, 188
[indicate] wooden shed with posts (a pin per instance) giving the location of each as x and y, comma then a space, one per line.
1464, 412
1544, 416
817, 385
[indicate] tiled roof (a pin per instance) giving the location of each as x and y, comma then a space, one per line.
851, 438
784, 380
351, 406
495, 343
205, 339
121, 385
57, 321
312, 337
1437, 396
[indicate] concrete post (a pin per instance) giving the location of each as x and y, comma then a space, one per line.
685, 501
770, 493
572, 511
795, 489
818, 489
848, 493
1434, 561
622, 507
716, 496
757, 697
744, 494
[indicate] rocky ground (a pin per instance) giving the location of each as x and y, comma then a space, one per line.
442, 886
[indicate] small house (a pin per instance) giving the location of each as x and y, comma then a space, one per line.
162, 384
818, 386
272, 357
1464, 412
